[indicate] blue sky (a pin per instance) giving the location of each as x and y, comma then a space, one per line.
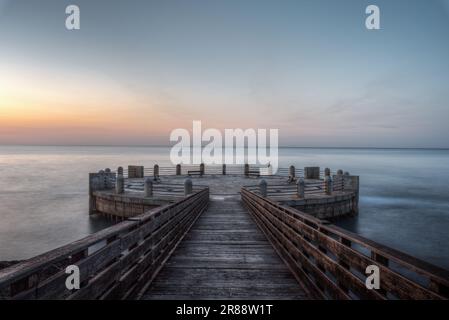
138, 69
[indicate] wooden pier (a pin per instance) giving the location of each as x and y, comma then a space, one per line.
225, 256
223, 233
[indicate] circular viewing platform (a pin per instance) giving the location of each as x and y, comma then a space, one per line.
321, 193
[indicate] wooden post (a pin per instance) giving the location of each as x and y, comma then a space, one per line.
263, 188
202, 169
224, 169
136, 172
156, 172
178, 169
312, 173
92, 187
352, 184
301, 188
148, 188
328, 188
188, 187
120, 185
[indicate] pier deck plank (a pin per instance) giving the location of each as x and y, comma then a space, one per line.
225, 256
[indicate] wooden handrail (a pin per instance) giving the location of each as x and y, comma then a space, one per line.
116, 262
327, 259
232, 169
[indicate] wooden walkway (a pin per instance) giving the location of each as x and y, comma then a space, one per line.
225, 256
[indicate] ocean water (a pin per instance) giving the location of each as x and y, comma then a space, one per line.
404, 200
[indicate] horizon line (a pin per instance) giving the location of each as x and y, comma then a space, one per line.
168, 146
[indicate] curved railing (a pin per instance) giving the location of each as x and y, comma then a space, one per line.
218, 170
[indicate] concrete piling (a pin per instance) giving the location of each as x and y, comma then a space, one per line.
292, 172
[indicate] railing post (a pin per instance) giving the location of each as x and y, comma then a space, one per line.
328, 188
178, 169
292, 173
301, 188
246, 170
120, 171
224, 169
188, 187
156, 172
120, 184
263, 188
327, 172
148, 188
201, 169
352, 184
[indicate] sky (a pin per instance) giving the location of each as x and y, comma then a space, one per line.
136, 70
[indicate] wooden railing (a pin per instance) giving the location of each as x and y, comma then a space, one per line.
118, 262
291, 189
332, 261
162, 189
234, 169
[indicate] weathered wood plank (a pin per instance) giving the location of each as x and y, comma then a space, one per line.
216, 260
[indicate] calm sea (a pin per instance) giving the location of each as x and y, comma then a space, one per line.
43, 194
